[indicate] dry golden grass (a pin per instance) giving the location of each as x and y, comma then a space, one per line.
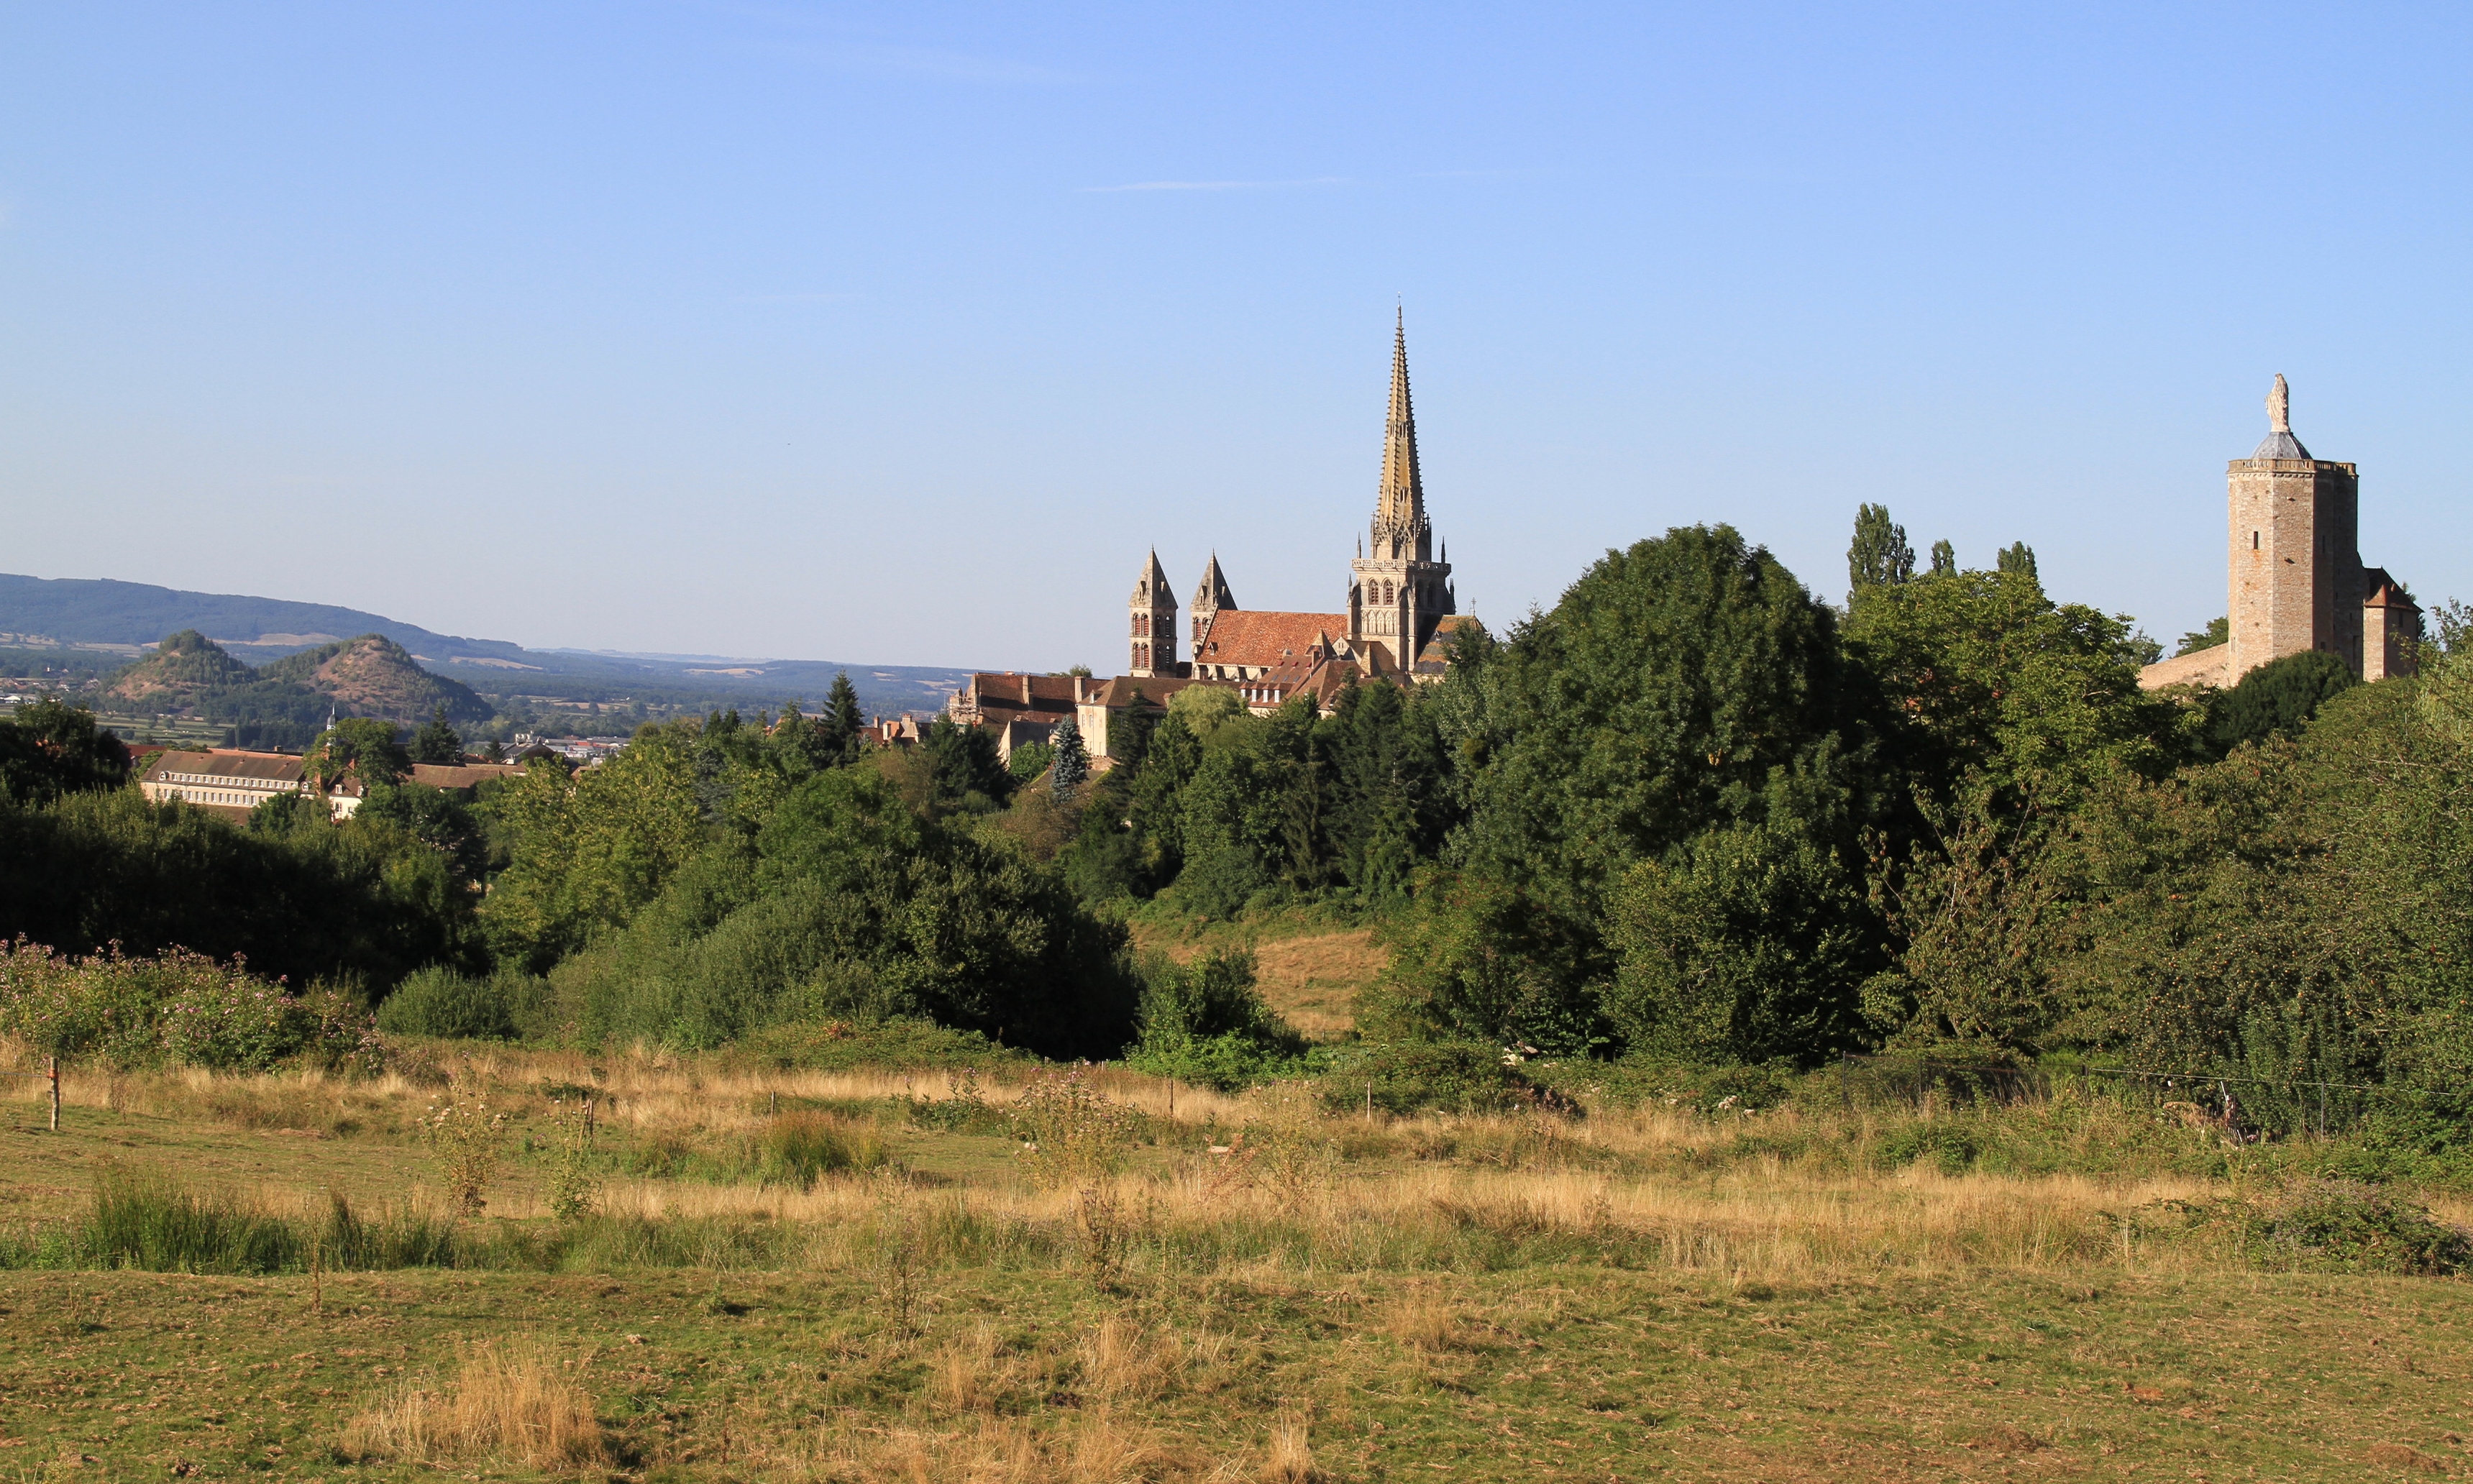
1313, 981
1353, 1188
506, 1404
1291, 1459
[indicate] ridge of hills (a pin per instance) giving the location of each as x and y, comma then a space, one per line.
130, 620
285, 702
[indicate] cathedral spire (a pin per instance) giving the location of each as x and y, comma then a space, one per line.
1399, 506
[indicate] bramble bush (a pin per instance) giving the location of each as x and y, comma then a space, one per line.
177, 1008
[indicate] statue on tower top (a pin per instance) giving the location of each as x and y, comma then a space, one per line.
2280, 406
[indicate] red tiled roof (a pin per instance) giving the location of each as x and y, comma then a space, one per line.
1243, 636
225, 763
463, 774
1155, 688
1006, 685
994, 698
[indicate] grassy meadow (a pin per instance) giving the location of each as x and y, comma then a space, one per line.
800, 1276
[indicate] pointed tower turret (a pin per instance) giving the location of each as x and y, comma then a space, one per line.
1400, 530
1397, 591
1208, 599
1153, 608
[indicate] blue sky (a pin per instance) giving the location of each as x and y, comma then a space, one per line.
898, 333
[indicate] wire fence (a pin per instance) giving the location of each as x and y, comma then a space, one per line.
2246, 1107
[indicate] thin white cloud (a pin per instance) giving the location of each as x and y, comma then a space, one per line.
1216, 185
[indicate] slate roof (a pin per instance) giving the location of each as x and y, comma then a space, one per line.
2281, 445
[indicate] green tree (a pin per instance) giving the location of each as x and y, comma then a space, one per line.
852, 904
436, 742
2000, 713
361, 743
1685, 684
2276, 698
2019, 559
1753, 947
587, 851
1206, 708
364, 902
2218, 630
1070, 765
49, 749
965, 772
432, 817
842, 722
1879, 555
1944, 560
1029, 760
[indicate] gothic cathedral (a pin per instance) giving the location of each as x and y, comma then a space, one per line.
1401, 601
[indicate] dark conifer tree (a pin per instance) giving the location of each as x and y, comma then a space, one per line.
436, 742
842, 722
1071, 765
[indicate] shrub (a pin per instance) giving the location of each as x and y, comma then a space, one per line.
178, 1007
1950, 1147
437, 1001
1409, 1076
2276, 697
1205, 1023
2345, 1225
798, 1148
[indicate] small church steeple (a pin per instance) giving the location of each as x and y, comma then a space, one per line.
1208, 599
1153, 607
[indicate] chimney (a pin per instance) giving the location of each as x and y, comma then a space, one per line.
1025, 690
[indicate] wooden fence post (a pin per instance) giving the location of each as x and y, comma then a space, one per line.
53, 1071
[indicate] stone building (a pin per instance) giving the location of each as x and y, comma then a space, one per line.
231, 782
2294, 579
1401, 604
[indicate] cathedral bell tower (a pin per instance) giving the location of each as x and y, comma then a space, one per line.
1208, 599
1397, 591
1154, 623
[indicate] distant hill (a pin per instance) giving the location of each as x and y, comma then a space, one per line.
181, 673
374, 676
131, 618
286, 702
76, 609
